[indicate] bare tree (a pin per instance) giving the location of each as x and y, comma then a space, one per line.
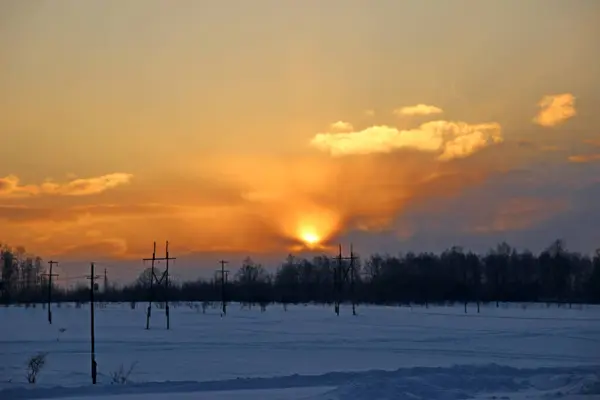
34, 366
145, 277
121, 376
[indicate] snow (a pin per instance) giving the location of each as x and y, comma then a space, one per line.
307, 352
259, 394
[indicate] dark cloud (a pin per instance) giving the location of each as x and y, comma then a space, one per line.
514, 207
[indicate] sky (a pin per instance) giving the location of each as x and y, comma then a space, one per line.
238, 128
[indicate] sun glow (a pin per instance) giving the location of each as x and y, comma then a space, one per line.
309, 237
309, 226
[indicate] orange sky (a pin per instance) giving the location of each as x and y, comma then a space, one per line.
244, 128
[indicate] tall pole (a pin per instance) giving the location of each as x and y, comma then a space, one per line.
105, 288
165, 277
340, 274
352, 280
149, 311
92, 279
337, 277
223, 281
167, 286
50, 275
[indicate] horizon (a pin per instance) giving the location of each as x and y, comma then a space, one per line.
265, 129
71, 273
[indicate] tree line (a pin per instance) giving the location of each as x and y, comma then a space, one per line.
503, 274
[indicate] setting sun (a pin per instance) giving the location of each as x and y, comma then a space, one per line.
310, 238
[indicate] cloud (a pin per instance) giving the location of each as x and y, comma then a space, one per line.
593, 142
525, 143
23, 214
101, 249
447, 140
232, 203
555, 109
517, 214
369, 113
499, 206
32, 214
341, 126
542, 148
419, 109
10, 186
584, 158
550, 148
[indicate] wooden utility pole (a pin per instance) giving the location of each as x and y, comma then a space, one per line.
93, 288
50, 275
337, 282
465, 290
223, 272
149, 311
164, 278
352, 276
340, 274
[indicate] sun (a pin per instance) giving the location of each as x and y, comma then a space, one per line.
310, 228
310, 238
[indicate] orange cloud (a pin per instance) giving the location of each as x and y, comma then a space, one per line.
244, 204
333, 195
447, 140
10, 186
102, 249
419, 109
341, 126
584, 158
555, 109
549, 148
281, 200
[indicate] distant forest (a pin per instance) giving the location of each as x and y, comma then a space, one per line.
501, 275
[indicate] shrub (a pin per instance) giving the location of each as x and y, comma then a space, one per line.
34, 366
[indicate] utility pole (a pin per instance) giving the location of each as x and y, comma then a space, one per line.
149, 311
93, 288
223, 273
167, 285
153, 278
105, 281
340, 274
466, 283
105, 288
337, 282
50, 275
352, 276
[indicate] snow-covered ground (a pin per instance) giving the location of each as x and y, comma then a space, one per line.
307, 352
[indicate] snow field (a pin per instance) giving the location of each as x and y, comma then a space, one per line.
384, 351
